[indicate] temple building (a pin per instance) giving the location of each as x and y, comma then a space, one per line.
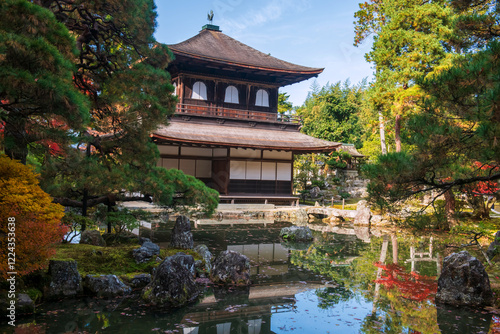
226, 130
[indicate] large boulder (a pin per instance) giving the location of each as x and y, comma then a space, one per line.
24, 304
494, 247
296, 233
92, 237
140, 281
173, 285
145, 252
315, 192
65, 279
181, 234
203, 251
186, 261
231, 268
363, 213
108, 286
463, 282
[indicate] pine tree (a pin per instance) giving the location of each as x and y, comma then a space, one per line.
109, 91
408, 43
454, 135
38, 101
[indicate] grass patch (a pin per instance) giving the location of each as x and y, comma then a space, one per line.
118, 260
346, 207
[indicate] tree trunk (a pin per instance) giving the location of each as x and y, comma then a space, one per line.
383, 255
450, 208
15, 136
110, 209
382, 132
394, 241
397, 133
85, 206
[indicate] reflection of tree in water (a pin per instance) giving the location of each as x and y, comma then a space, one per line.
330, 255
409, 285
331, 296
405, 302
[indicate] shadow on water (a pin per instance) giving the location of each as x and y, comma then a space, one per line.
349, 280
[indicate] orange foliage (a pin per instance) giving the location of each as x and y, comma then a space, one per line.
37, 220
411, 285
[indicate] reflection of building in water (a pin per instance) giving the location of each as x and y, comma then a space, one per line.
264, 255
253, 316
424, 257
231, 222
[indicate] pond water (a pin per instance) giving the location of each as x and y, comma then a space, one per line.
348, 281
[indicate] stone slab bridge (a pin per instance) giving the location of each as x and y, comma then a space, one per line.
329, 212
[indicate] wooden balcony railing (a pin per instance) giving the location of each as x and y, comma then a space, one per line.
217, 111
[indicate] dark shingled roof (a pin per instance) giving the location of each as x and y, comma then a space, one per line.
213, 45
233, 136
351, 149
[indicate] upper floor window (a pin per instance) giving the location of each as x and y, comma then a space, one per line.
262, 98
199, 91
231, 95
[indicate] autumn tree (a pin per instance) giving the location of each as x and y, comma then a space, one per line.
37, 220
454, 136
408, 43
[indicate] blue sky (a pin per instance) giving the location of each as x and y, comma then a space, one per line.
315, 33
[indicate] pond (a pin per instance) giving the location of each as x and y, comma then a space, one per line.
348, 281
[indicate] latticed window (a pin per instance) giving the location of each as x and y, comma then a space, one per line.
231, 95
199, 91
262, 98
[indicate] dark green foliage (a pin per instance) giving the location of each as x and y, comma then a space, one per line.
38, 102
91, 143
329, 297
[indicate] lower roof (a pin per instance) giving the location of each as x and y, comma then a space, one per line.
218, 135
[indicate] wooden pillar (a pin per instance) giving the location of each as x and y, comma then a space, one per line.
181, 90
249, 89
291, 183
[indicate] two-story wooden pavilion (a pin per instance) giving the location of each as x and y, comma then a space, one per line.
226, 130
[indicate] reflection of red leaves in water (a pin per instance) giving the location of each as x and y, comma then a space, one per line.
495, 325
29, 329
411, 285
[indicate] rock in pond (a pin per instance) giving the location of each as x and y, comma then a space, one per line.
203, 251
231, 268
105, 286
463, 282
173, 284
92, 237
296, 233
145, 252
181, 234
24, 304
363, 213
66, 280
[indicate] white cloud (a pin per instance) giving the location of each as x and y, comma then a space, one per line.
271, 11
